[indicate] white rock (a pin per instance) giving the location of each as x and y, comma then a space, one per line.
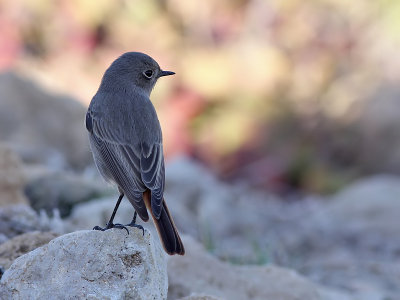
90, 265
22, 244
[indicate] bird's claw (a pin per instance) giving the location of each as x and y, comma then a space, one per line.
136, 226
109, 226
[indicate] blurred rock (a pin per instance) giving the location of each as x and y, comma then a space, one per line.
19, 219
90, 265
11, 178
40, 127
333, 241
378, 148
200, 297
369, 208
62, 190
232, 221
199, 272
3, 238
21, 244
352, 241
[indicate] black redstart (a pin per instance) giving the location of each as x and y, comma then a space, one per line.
126, 142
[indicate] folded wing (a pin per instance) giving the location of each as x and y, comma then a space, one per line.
134, 166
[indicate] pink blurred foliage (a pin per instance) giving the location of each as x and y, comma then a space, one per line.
11, 43
176, 113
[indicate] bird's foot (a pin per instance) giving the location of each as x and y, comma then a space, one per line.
133, 224
111, 225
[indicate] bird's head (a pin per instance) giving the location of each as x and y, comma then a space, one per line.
134, 69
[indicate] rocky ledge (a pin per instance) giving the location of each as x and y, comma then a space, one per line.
90, 265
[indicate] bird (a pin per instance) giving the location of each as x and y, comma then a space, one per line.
125, 139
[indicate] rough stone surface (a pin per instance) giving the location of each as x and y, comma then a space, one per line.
40, 127
11, 178
22, 244
90, 265
201, 273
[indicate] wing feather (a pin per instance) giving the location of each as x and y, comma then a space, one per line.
153, 174
133, 167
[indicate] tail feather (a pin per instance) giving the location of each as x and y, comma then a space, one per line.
166, 229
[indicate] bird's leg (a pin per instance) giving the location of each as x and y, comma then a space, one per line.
110, 223
134, 218
133, 223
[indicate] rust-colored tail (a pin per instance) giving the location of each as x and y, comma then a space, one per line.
166, 228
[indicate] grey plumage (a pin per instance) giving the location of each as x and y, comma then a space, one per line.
125, 134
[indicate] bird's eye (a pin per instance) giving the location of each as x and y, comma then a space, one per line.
148, 74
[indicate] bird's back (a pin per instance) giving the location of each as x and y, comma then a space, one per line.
129, 117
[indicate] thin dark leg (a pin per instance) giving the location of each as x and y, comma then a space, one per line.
110, 223
133, 223
115, 209
134, 218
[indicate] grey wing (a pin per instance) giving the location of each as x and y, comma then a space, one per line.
118, 162
153, 174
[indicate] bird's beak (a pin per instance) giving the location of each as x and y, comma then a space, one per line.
165, 73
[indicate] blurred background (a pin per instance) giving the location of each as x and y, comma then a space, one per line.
284, 94
274, 100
